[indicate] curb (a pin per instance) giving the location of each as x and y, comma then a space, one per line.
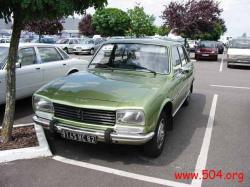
30, 152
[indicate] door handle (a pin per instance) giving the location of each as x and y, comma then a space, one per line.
64, 64
38, 68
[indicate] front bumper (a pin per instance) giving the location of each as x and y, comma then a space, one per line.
114, 137
238, 62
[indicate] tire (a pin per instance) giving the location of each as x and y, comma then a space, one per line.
66, 50
196, 57
216, 58
154, 147
229, 66
92, 51
187, 101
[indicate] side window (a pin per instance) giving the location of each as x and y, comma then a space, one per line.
65, 55
186, 55
182, 56
76, 42
71, 41
49, 54
27, 56
176, 58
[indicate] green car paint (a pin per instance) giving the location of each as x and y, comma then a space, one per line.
115, 89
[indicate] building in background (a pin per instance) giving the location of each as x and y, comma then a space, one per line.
5, 29
70, 27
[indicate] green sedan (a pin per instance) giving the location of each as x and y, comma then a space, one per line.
129, 94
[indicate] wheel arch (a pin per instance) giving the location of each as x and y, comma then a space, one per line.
73, 70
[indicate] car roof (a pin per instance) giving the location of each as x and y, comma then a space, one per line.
162, 42
22, 45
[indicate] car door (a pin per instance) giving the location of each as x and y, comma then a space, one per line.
187, 70
29, 75
177, 79
52, 62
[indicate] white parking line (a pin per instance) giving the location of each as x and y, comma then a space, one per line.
221, 63
235, 87
202, 159
121, 173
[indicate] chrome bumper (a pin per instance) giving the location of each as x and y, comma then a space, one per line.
131, 139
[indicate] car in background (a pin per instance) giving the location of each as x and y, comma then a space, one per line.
238, 53
86, 46
4, 40
67, 43
220, 47
206, 50
37, 65
45, 40
127, 97
192, 45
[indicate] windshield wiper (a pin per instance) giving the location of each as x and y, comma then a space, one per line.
144, 68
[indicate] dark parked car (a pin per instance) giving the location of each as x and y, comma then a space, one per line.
220, 46
206, 50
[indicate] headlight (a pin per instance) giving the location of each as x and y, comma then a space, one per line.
41, 104
135, 117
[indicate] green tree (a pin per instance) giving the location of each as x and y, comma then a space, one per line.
23, 11
111, 22
141, 23
163, 30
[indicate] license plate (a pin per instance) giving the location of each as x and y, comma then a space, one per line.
78, 49
205, 54
78, 137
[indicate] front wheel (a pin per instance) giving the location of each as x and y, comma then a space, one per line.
92, 51
155, 146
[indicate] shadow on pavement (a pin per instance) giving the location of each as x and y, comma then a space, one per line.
23, 109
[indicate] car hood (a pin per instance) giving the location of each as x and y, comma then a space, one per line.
240, 52
117, 86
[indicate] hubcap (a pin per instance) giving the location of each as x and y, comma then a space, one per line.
160, 134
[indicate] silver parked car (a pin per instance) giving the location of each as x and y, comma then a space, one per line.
87, 46
67, 43
37, 65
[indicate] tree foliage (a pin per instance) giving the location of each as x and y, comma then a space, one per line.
195, 18
24, 11
85, 26
44, 26
111, 22
163, 30
141, 23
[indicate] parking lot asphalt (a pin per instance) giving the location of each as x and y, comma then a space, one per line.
228, 147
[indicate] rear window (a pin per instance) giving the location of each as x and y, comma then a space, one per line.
207, 44
49, 54
240, 44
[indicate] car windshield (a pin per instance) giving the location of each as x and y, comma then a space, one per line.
240, 43
136, 57
3, 56
63, 41
208, 44
87, 42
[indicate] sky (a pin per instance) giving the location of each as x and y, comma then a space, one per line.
236, 12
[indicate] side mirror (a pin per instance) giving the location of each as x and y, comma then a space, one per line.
185, 70
18, 64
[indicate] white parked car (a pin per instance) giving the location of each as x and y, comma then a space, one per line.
86, 46
37, 65
238, 52
67, 43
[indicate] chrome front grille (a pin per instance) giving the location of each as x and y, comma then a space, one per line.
91, 116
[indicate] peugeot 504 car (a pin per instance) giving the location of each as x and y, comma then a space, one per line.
129, 95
